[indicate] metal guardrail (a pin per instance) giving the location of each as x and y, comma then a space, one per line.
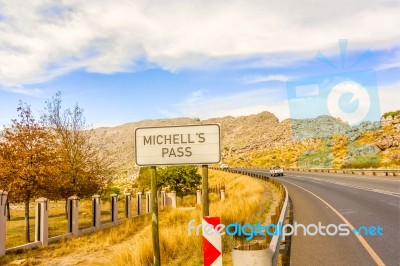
374, 172
275, 242
386, 172
280, 212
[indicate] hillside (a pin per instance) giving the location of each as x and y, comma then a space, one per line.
261, 139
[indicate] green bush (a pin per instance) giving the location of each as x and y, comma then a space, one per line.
182, 179
362, 162
393, 113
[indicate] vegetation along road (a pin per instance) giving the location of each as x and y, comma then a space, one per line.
344, 199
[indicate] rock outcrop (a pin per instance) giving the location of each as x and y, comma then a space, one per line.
393, 121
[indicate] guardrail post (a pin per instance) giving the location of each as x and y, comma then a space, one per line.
148, 202
114, 208
73, 217
222, 191
198, 196
3, 201
42, 223
139, 203
128, 205
96, 222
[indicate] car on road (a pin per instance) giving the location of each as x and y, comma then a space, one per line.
276, 171
224, 166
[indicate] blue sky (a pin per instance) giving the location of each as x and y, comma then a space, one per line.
125, 61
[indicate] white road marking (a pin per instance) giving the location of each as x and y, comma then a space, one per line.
395, 178
385, 192
363, 242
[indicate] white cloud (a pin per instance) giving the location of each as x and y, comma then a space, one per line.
388, 98
21, 90
392, 62
260, 78
203, 105
40, 40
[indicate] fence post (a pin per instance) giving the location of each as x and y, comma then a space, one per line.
73, 219
128, 205
198, 196
163, 203
222, 191
114, 208
173, 198
42, 222
96, 222
139, 203
3, 201
148, 202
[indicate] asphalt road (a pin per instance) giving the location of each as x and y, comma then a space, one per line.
339, 199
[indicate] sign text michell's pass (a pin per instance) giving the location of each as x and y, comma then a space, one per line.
194, 144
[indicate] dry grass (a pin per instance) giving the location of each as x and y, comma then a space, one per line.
186, 201
247, 200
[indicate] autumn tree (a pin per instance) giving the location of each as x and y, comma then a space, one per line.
5, 178
182, 179
86, 167
29, 161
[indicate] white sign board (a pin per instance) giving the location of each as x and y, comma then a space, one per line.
172, 145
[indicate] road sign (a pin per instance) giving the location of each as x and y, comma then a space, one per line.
173, 145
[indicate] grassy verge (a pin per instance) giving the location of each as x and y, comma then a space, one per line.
247, 201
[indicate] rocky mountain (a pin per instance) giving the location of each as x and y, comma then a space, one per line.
248, 139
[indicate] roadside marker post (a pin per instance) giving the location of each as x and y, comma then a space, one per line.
212, 243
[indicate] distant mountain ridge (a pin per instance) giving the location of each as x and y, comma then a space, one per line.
244, 136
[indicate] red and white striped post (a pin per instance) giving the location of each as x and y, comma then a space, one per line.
212, 244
